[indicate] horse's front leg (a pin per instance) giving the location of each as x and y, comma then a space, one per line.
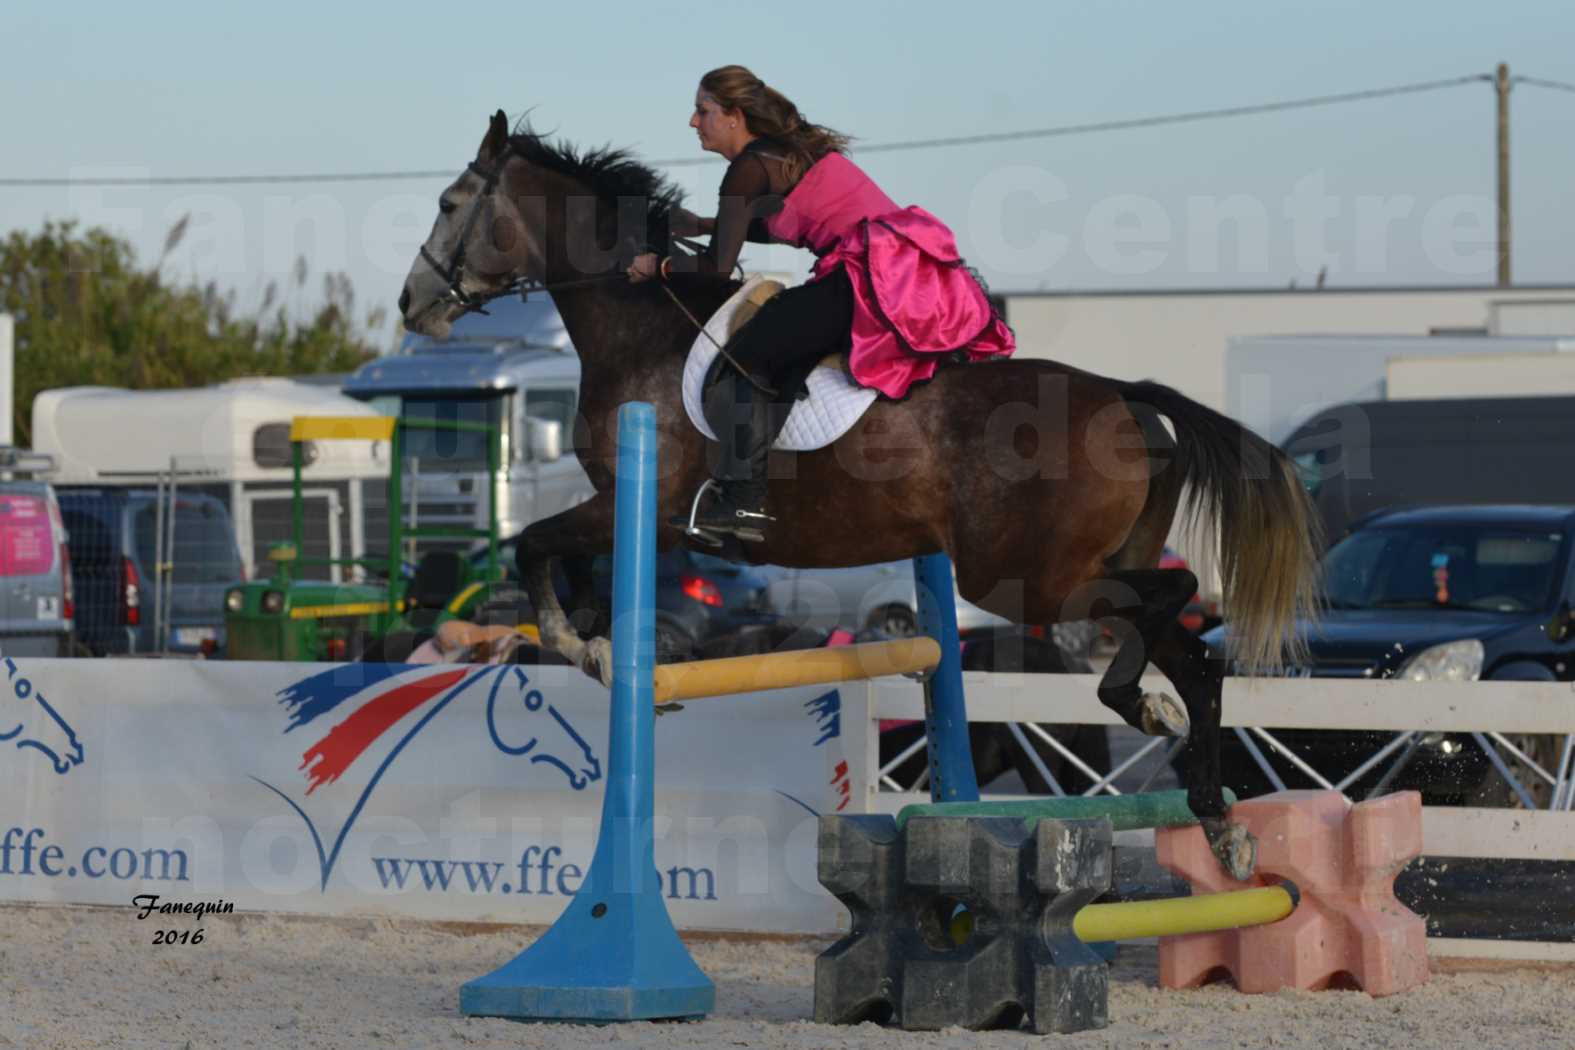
586, 529
588, 614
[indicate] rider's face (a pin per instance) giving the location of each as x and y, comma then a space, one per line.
711, 121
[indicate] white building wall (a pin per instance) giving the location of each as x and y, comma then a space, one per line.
1179, 338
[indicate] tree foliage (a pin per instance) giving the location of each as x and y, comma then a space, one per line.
87, 314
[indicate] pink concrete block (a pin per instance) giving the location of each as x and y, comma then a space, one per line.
1343, 859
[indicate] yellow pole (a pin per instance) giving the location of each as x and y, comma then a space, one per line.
747, 674
1167, 918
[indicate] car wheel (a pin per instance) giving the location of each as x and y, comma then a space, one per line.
1544, 749
897, 621
673, 643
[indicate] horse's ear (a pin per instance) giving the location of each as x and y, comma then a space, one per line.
497, 135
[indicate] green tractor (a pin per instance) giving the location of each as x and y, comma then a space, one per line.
287, 618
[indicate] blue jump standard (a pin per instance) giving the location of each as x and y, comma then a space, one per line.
950, 748
613, 954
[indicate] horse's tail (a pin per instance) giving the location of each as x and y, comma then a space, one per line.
1268, 531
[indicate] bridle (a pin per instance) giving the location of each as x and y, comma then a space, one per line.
453, 274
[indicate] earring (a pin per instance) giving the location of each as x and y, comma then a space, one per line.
732, 123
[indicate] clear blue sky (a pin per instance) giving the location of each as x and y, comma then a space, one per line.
182, 88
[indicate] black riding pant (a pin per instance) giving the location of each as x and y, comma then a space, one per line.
779, 347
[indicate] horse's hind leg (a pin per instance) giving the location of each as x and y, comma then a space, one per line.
1147, 600
1152, 600
1200, 678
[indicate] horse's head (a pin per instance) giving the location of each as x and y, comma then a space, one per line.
480, 244
526, 209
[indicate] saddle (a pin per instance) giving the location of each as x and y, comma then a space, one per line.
759, 295
834, 402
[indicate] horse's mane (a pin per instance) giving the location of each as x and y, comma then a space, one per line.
609, 173
612, 174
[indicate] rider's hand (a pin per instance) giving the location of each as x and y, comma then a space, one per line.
644, 267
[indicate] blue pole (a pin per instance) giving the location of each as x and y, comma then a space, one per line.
630, 803
613, 954
952, 777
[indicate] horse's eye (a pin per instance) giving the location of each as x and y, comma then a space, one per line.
446, 206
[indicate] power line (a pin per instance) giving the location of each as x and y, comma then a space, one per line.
883, 147
1539, 82
1181, 118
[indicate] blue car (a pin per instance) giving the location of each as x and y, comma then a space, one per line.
698, 600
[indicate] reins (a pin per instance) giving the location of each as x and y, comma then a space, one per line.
768, 391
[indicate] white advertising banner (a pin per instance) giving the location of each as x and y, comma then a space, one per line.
445, 792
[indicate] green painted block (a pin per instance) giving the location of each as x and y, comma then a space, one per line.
1159, 809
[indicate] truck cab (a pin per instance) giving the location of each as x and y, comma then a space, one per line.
513, 368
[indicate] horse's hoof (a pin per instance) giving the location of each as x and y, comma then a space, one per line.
1164, 716
598, 661
1237, 852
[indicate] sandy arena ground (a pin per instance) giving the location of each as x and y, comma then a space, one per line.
87, 977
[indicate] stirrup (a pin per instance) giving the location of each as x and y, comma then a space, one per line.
689, 528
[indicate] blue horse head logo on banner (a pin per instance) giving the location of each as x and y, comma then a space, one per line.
29, 722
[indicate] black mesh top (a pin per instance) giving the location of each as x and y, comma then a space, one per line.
752, 191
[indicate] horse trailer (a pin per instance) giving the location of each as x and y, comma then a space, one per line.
230, 441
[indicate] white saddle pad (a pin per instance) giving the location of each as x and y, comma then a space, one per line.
834, 404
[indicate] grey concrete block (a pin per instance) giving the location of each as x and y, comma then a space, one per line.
908, 961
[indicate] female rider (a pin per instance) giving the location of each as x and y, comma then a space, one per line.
888, 286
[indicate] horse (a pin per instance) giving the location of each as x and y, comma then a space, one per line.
1052, 489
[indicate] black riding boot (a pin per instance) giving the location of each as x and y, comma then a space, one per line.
745, 434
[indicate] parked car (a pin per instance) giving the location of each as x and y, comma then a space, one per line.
1454, 593
36, 582
699, 598
865, 597
113, 539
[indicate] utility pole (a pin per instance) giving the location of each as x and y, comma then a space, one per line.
1503, 174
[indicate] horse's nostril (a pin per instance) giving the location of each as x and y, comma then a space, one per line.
404, 301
